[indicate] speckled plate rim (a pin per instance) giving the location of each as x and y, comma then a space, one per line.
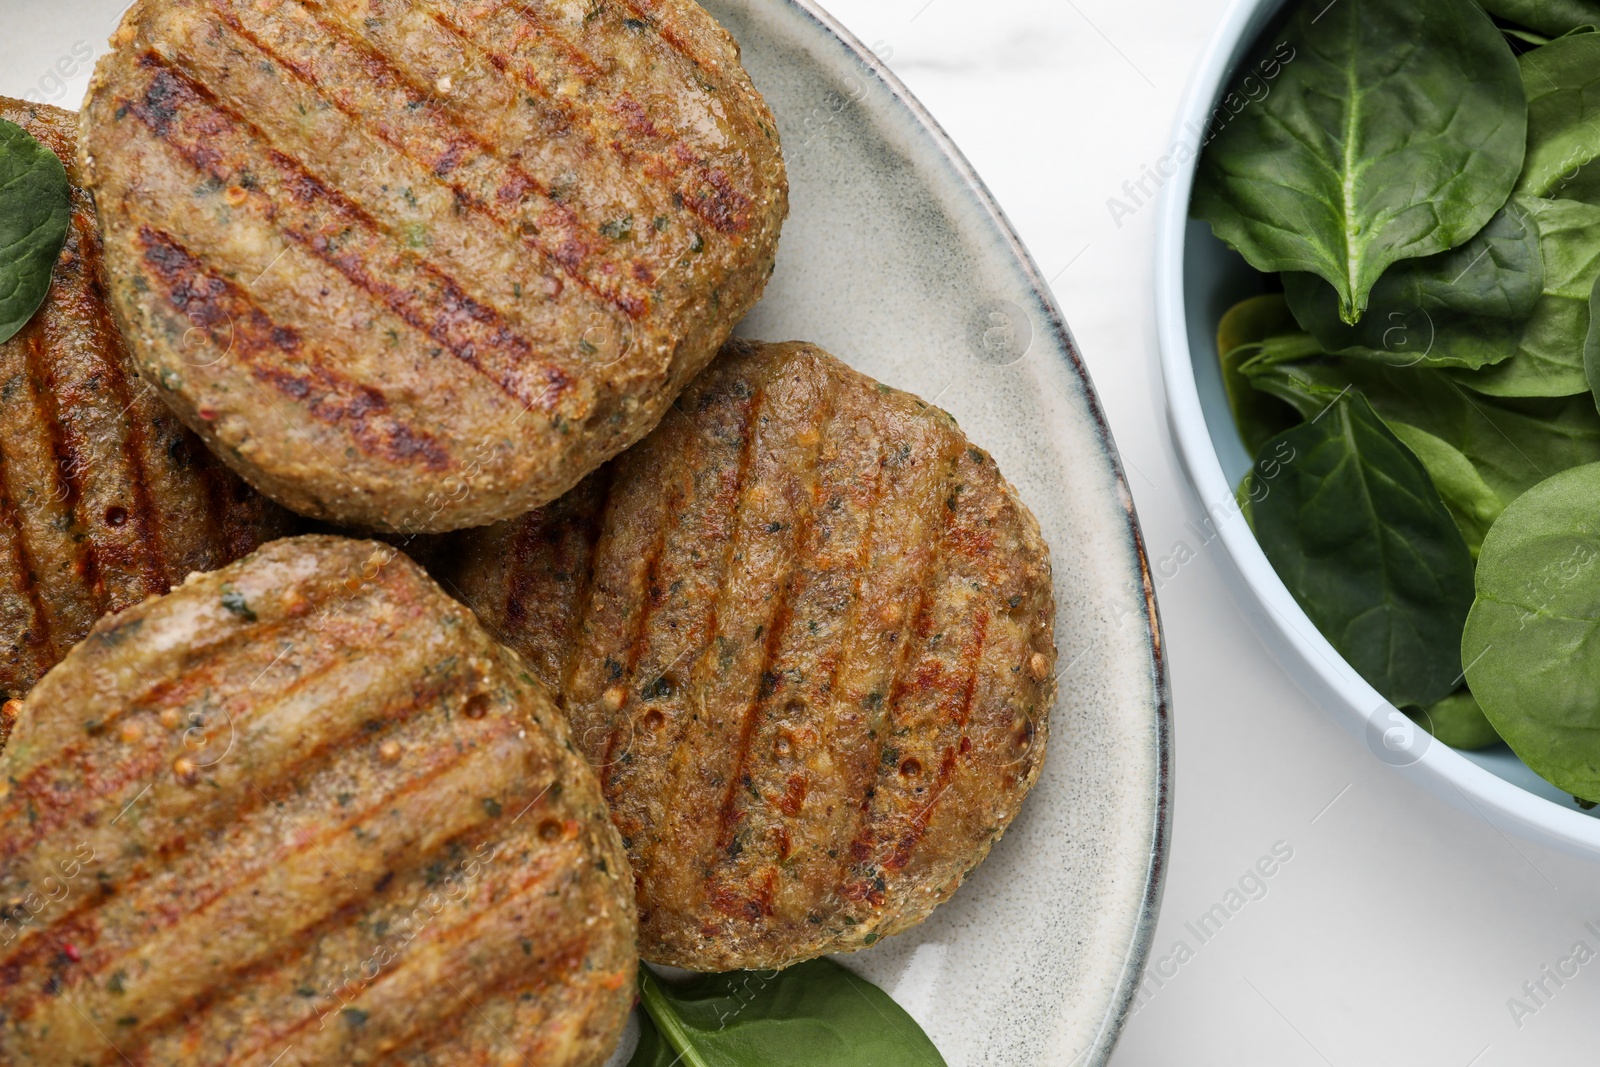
961, 172
1313, 663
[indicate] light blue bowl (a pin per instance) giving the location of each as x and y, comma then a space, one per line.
1197, 279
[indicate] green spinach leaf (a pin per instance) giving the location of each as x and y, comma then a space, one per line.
1240, 337
1532, 641
813, 1013
35, 209
1395, 131
1580, 183
1527, 37
1563, 86
1356, 530
1458, 721
1470, 500
1513, 443
1591, 343
1549, 358
1461, 308
1550, 17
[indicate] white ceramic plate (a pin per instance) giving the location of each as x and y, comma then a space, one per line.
896, 259
1197, 279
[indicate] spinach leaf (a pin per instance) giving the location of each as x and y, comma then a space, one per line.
1580, 183
1458, 721
35, 208
1532, 642
1549, 358
1550, 17
1526, 37
1470, 500
1253, 320
1563, 86
1395, 131
1513, 443
1356, 530
1591, 343
1461, 308
813, 1013
1240, 337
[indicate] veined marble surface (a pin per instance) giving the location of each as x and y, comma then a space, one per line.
1391, 929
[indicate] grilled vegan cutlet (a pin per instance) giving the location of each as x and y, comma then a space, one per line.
458, 255
105, 498
304, 811
804, 631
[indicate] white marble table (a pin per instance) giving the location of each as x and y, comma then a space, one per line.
1398, 929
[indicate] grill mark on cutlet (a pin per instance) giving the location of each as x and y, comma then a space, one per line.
724, 208
422, 1030
312, 762
800, 559
164, 915
717, 202
713, 454
727, 816
972, 656
38, 784
227, 529
637, 642
70, 463
966, 543
587, 601
955, 684
569, 957
663, 31
167, 916
711, 195
576, 248
38, 781
521, 581
797, 787
549, 574
747, 396
260, 971
86, 456
219, 144
864, 839
548, 529
35, 639
108, 352
264, 346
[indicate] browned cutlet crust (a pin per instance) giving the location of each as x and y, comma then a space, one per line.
456, 254
305, 811
105, 498
805, 631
